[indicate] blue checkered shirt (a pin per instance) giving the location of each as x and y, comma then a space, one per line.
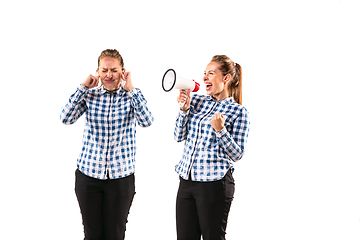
209, 155
110, 128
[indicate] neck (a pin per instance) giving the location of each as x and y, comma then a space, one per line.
110, 90
220, 96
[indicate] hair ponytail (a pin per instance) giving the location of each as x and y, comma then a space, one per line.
238, 76
227, 66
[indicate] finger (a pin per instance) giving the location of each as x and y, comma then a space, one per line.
91, 80
126, 75
94, 83
180, 96
122, 76
183, 95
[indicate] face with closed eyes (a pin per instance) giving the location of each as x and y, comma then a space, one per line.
215, 81
110, 72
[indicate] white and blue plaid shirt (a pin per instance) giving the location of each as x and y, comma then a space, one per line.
109, 133
209, 155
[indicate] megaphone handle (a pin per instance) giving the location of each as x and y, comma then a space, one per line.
181, 104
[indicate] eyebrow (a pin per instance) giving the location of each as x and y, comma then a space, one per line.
110, 68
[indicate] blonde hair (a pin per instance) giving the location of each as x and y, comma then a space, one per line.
227, 66
113, 53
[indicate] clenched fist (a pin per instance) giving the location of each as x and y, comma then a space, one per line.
91, 81
218, 122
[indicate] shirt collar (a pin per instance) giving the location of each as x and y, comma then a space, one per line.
223, 101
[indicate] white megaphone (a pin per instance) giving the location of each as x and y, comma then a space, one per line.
171, 81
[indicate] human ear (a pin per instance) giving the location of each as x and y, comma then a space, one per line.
122, 74
226, 78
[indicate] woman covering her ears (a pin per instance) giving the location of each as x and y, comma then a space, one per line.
215, 130
105, 167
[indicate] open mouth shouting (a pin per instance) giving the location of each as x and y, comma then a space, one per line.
208, 86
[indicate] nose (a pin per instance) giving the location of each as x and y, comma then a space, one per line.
109, 74
205, 77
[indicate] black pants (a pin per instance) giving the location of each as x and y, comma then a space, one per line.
202, 208
104, 205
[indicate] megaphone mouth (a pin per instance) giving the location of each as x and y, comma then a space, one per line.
169, 79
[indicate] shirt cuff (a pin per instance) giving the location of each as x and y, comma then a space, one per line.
133, 92
182, 113
82, 88
221, 133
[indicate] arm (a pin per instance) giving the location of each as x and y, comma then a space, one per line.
182, 119
180, 132
139, 103
75, 107
233, 143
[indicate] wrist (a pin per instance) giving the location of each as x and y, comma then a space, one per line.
184, 109
83, 88
130, 89
221, 132
82, 84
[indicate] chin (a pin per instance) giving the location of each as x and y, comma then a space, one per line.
209, 93
112, 86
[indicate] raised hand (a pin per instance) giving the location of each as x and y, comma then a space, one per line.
128, 86
91, 81
184, 98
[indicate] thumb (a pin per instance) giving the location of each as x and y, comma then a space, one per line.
122, 75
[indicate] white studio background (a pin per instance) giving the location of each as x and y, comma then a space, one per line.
299, 178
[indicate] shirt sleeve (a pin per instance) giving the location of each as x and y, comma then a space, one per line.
139, 103
75, 107
233, 143
180, 132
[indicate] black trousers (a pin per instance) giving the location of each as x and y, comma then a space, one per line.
104, 205
202, 208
